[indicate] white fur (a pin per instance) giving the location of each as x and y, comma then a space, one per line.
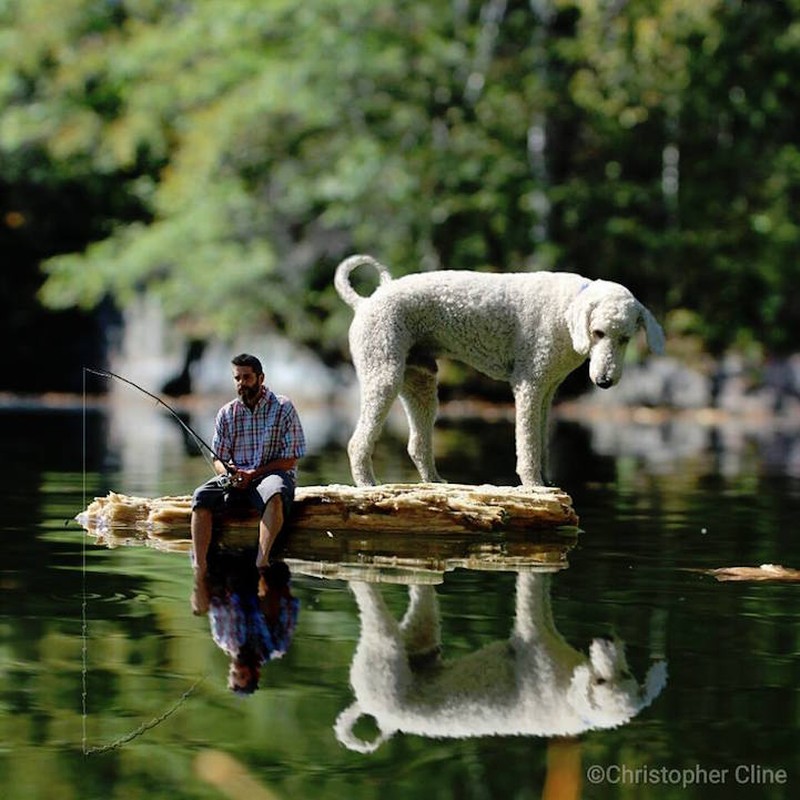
532, 684
530, 329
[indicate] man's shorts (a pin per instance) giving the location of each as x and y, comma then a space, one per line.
216, 496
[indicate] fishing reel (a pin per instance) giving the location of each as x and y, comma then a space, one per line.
229, 481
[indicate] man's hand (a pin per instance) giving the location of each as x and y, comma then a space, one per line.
242, 478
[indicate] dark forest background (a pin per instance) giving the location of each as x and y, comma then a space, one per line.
223, 155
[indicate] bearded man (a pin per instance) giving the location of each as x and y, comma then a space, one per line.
258, 439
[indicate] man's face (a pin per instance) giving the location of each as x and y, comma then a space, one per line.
248, 384
241, 676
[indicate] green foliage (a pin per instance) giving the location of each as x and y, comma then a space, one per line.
245, 146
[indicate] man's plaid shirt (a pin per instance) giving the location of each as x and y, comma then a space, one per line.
236, 619
249, 439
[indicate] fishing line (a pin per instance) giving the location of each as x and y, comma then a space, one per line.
145, 726
84, 615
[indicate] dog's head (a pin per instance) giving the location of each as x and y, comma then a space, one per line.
602, 319
604, 693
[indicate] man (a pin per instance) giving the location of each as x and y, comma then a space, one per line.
259, 439
253, 615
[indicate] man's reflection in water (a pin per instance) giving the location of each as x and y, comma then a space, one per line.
252, 614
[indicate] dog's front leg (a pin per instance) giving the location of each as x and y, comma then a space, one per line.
529, 424
533, 613
544, 429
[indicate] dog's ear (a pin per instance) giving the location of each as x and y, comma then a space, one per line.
579, 695
578, 314
607, 657
655, 333
655, 681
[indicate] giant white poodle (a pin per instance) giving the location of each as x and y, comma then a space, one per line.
533, 683
530, 329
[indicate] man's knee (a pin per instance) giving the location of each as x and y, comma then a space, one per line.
208, 496
277, 488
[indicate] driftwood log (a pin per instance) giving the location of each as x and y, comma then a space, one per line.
765, 572
414, 527
397, 507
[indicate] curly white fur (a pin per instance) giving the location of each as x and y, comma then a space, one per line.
530, 329
534, 683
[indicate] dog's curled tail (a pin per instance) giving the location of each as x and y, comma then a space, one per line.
342, 278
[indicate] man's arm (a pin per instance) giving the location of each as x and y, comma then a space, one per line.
243, 477
220, 468
277, 464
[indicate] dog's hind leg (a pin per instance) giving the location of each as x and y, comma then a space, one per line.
376, 401
420, 401
421, 627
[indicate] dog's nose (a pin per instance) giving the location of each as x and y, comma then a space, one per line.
604, 383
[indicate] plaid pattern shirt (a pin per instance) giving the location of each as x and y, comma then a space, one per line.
236, 620
249, 439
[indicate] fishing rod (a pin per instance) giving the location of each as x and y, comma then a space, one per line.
107, 373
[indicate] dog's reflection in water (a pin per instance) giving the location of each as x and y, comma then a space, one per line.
252, 614
533, 683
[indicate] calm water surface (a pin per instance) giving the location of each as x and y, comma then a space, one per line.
112, 689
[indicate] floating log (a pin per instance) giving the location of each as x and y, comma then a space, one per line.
765, 572
389, 508
433, 507
395, 533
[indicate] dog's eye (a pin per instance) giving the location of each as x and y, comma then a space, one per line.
598, 334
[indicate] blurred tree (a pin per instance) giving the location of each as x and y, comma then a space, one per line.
740, 247
245, 146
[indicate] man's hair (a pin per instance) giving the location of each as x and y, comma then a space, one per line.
249, 688
246, 360
248, 657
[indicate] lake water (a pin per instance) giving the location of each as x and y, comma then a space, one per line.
111, 688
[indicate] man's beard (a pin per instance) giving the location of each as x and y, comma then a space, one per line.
247, 394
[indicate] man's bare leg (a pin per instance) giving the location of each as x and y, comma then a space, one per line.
201, 540
268, 529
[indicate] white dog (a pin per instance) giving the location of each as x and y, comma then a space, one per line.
533, 683
530, 329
